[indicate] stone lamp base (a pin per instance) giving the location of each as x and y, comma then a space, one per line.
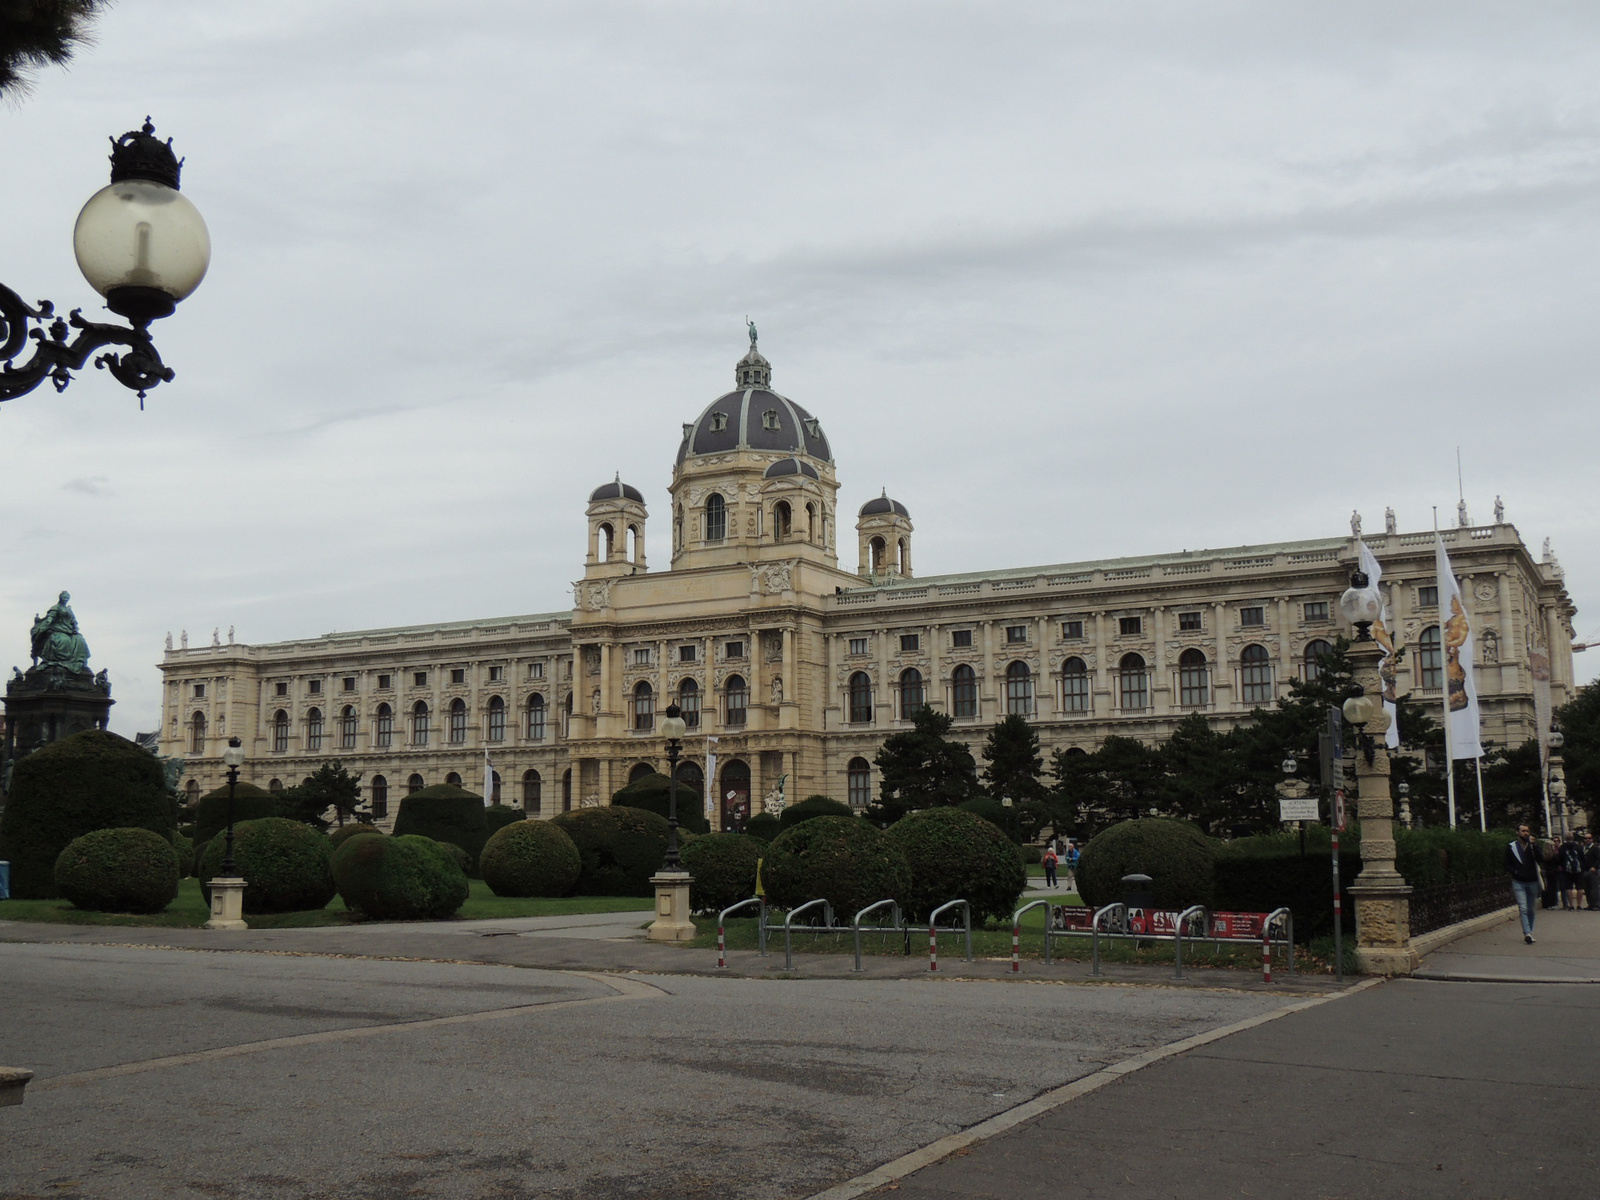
672, 923
227, 904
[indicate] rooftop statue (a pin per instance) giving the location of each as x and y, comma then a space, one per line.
56, 640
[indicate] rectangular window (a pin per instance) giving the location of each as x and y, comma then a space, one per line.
737, 699
689, 705
1075, 687
496, 674
1072, 630
733, 650
1317, 610
858, 645
458, 675
385, 726
385, 682
688, 653
1252, 616
964, 692
380, 798
1016, 633
535, 670
960, 638
1189, 622
641, 658
316, 687
199, 691
280, 688
910, 641
858, 785
419, 679
1135, 688
1130, 627
497, 723
536, 724
1428, 597
348, 683
347, 729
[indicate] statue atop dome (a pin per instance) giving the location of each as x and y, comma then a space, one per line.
752, 326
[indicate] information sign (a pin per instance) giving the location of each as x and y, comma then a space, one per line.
1298, 808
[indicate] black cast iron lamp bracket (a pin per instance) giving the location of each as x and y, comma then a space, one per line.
1360, 605
141, 245
233, 759
674, 727
1359, 710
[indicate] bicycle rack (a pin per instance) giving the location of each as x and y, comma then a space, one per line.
1016, 934
788, 924
1177, 934
722, 941
933, 931
1120, 912
894, 925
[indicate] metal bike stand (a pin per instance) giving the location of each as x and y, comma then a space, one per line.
893, 927
788, 924
1016, 933
722, 941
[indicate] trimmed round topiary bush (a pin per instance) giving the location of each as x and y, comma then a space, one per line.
1175, 854
250, 803
90, 780
724, 869
446, 813
338, 837
653, 794
185, 851
530, 858
402, 878
957, 855
197, 858
844, 860
764, 826
497, 816
284, 864
620, 848
118, 870
812, 807
990, 810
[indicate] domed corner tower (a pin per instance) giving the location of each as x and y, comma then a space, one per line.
883, 533
754, 479
616, 531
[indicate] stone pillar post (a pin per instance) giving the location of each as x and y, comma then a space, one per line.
1381, 895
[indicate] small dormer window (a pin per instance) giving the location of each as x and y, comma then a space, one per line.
813, 427
719, 422
769, 419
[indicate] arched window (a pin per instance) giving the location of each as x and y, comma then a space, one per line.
860, 698
414, 785
607, 538
639, 771
380, 797
314, 730
458, 721
782, 521
875, 555
1430, 659
1315, 652
716, 518
566, 709
566, 790
453, 779
911, 693
737, 697
347, 728
197, 733
497, 719
419, 723
691, 783
902, 556
644, 706
735, 795
635, 543
1019, 689
1194, 681
1255, 675
274, 786
385, 727
858, 782
536, 718
1133, 683
280, 732
494, 791
689, 703
964, 692
811, 522
1074, 686
532, 792
191, 791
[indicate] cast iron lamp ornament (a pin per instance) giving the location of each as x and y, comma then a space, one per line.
1358, 710
674, 726
141, 245
1360, 605
233, 759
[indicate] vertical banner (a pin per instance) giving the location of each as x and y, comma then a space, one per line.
1460, 692
711, 781
1382, 633
488, 779
1543, 714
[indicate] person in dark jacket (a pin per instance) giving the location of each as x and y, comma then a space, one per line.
1591, 870
1571, 864
1522, 864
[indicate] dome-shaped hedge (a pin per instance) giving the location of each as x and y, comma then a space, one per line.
764, 826
845, 860
338, 837
497, 816
405, 878
250, 803
284, 864
620, 848
119, 870
1176, 855
956, 855
653, 793
446, 813
530, 858
724, 869
185, 851
811, 808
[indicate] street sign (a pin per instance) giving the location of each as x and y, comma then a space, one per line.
1299, 808
1339, 815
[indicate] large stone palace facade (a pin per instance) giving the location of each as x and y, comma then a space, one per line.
792, 669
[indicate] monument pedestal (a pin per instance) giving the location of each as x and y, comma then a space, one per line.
673, 922
47, 704
227, 904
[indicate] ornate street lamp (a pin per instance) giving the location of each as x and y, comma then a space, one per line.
674, 726
233, 759
141, 245
1360, 605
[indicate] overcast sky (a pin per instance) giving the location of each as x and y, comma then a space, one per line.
1070, 280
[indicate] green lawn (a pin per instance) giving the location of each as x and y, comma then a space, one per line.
189, 910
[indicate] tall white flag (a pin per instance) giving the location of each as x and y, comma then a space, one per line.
488, 779
1460, 692
1382, 632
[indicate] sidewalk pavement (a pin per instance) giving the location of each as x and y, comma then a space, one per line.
1566, 949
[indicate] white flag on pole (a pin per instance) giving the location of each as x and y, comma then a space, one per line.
1382, 633
488, 779
711, 780
1460, 692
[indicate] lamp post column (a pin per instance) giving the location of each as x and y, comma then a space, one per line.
673, 921
227, 889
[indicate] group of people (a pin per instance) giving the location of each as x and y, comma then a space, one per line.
1055, 859
1546, 872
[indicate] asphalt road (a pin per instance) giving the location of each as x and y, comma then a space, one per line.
190, 1074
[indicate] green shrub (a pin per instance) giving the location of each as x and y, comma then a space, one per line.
724, 869
456, 855
250, 803
118, 870
189, 831
812, 807
957, 855
445, 813
1260, 878
1430, 857
497, 816
990, 810
531, 858
196, 859
90, 780
284, 864
764, 826
1030, 856
620, 848
184, 848
1175, 854
844, 860
652, 793
401, 878
338, 837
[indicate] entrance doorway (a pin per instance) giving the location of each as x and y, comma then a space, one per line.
735, 796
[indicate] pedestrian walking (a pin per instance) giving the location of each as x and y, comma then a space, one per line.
1522, 864
1050, 862
1571, 873
1591, 871
1072, 866
1550, 871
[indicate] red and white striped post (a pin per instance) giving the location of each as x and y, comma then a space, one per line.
933, 947
722, 948
1016, 948
1266, 956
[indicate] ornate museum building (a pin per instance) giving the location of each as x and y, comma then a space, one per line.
792, 669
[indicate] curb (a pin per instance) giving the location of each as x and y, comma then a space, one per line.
1483, 977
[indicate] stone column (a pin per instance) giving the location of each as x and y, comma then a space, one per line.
1160, 675
1381, 895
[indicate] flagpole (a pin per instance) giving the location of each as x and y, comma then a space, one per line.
1483, 816
1444, 700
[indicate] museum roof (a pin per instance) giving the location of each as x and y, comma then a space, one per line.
882, 504
616, 489
754, 417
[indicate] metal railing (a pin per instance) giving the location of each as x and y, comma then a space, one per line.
788, 925
933, 930
894, 925
1016, 934
722, 940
